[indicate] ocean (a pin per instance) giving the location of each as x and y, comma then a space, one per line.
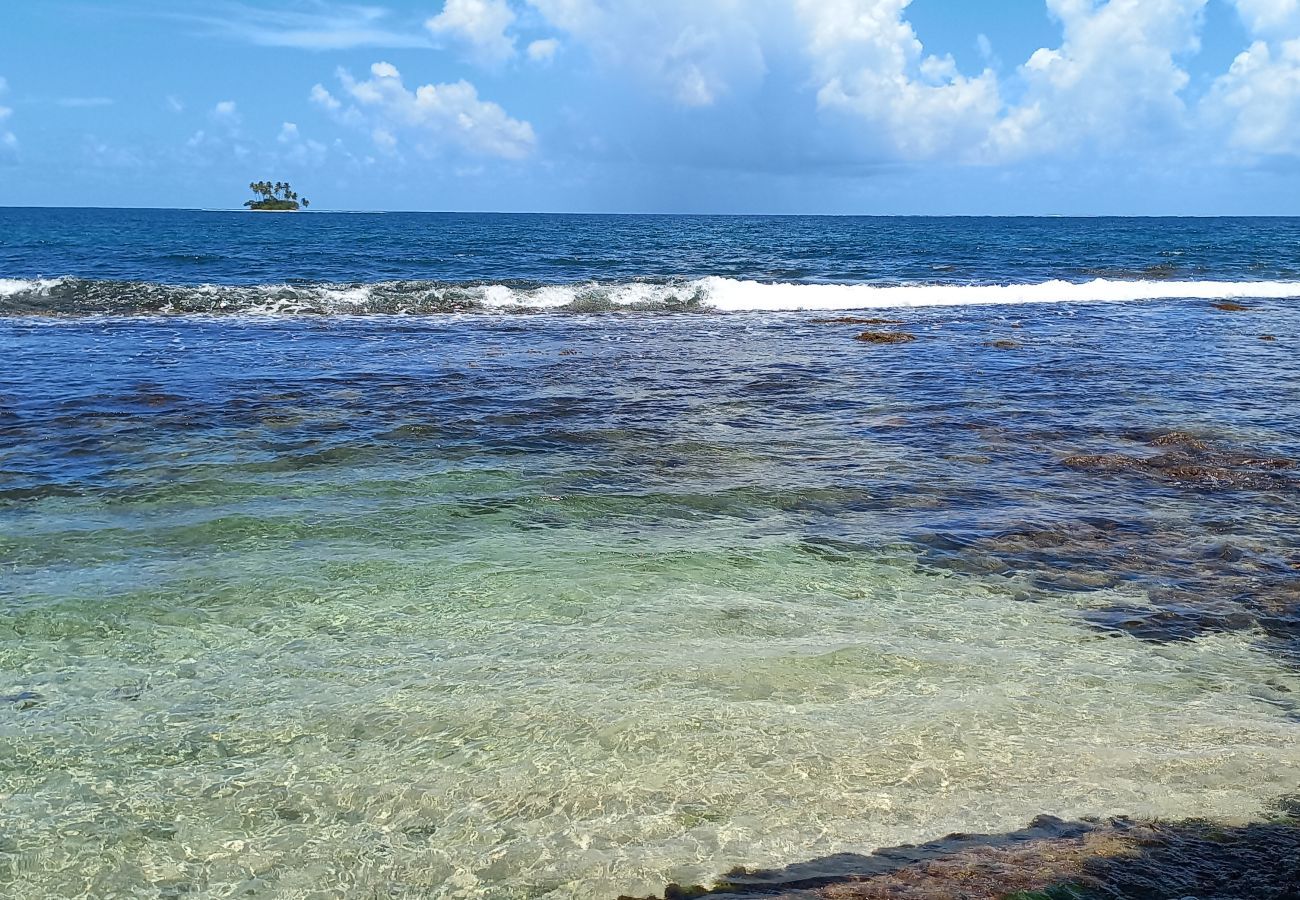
541, 556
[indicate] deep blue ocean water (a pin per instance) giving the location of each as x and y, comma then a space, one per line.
132, 260
564, 556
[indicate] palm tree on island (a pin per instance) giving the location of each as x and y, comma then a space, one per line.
278, 197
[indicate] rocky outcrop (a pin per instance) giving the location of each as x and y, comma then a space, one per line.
1050, 860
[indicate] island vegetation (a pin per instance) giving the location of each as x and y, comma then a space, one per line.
275, 197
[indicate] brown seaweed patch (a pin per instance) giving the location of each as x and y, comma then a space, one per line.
885, 337
1267, 337
1049, 860
1229, 306
1004, 344
1190, 460
1180, 439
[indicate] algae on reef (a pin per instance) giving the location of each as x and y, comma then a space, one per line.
1113, 859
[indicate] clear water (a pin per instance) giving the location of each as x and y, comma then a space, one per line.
573, 604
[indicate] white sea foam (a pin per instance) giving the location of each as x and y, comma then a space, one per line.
75, 296
753, 296
12, 286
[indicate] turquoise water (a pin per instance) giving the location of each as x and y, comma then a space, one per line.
571, 605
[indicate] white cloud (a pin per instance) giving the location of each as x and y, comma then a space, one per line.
175, 104
481, 24
1271, 17
8, 139
226, 110
438, 116
1114, 80
543, 51
1257, 101
322, 97
869, 62
697, 52
296, 149
327, 26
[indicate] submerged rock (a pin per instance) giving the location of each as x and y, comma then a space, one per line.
1050, 860
1004, 344
1229, 306
1267, 337
885, 337
1193, 461
1170, 623
1202, 575
22, 700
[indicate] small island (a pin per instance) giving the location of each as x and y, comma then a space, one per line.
277, 197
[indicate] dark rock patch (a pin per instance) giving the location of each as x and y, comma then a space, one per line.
1188, 460
1180, 439
1005, 345
885, 337
1194, 583
1229, 306
1170, 622
1267, 337
1118, 859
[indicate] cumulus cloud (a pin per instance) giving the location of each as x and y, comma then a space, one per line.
869, 62
1279, 18
436, 116
321, 96
697, 52
1257, 101
543, 50
296, 149
1115, 79
480, 24
226, 111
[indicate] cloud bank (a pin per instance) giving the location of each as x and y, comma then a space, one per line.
1116, 82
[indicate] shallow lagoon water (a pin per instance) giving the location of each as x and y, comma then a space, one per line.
573, 605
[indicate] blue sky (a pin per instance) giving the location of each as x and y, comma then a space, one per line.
835, 106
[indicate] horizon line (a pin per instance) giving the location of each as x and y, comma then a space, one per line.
714, 215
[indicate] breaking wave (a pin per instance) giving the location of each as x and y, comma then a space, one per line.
76, 296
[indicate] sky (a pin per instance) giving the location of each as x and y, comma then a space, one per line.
979, 107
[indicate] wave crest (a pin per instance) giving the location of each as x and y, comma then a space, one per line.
77, 296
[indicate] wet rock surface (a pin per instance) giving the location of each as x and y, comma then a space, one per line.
885, 337
1051, 859
1187, 459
